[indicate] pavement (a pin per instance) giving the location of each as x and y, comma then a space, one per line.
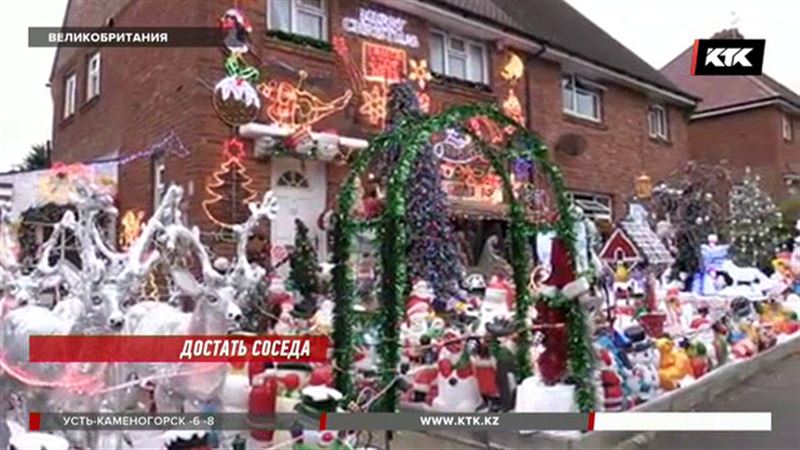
775, 389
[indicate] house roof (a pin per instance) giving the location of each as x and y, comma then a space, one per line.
647, 242
718, 92
557, 25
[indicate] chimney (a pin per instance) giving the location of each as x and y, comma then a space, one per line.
730, 33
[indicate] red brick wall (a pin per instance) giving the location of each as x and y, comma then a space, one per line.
749, 138
148, 91
618, 149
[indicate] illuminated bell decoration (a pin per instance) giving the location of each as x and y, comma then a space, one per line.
644, 187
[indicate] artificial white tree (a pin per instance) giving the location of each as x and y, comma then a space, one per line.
754, 223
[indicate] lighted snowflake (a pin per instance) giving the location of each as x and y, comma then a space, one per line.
419, 72
374, 104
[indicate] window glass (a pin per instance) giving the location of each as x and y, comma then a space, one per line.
476, 63
457, 66
280, 15
309, 24
456, 44
586, 103
437, 52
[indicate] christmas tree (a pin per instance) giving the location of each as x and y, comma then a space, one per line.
755, 224
229, 190
303, 264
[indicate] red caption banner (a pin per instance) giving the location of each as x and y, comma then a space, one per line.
133, 349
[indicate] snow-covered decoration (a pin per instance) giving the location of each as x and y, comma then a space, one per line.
713, 255
743, 282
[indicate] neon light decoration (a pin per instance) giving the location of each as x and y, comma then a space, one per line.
419, 72
513, 108
293, 106
380, 26
514, 68
229, 191
374, 104
383, 64
131, 226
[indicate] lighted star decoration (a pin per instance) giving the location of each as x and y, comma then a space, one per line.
374, 105
233, 149
419, 72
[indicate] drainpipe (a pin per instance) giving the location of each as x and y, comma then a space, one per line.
528, 105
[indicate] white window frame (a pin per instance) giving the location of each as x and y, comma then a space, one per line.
466, 54
787, 130
658, 122
93, 77
586, 88
70, 95
294, 7
159, 167
594, 205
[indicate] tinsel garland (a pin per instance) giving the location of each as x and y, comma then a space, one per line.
303, 41
410, 135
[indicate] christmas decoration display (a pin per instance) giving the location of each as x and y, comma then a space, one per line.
674, 364
432, 253
303, 263
235, 99
229, 189
381, 26
754, 224
293, 106
130, 228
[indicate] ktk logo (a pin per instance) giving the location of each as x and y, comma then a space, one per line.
728, 57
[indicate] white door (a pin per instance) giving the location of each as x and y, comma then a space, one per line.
300, 187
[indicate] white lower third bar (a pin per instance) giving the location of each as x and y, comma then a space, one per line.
683, 421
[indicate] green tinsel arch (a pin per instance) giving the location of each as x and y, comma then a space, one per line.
410, 135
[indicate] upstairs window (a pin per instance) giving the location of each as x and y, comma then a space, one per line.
70, 91
658, 122
581, 98
788, 132
93, 77
304, 17
458, 57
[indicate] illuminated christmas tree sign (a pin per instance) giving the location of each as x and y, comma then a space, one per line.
381, 26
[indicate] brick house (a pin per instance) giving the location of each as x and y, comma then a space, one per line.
744, 120
607, 115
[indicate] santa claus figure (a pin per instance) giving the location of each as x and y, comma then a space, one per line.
494, 367
457, 387
418, 311
424, 375
497, 302
609, 382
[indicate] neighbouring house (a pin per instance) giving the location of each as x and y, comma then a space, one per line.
745, 121
607, 116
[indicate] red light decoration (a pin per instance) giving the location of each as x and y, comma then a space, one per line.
229, 189
382, 63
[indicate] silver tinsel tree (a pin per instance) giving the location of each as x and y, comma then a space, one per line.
754, 223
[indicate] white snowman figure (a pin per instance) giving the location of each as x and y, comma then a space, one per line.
644, 359
456, 384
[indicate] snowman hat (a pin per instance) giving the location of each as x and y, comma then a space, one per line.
185, 439
475, 282
318, 399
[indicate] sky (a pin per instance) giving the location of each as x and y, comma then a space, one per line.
656, 31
